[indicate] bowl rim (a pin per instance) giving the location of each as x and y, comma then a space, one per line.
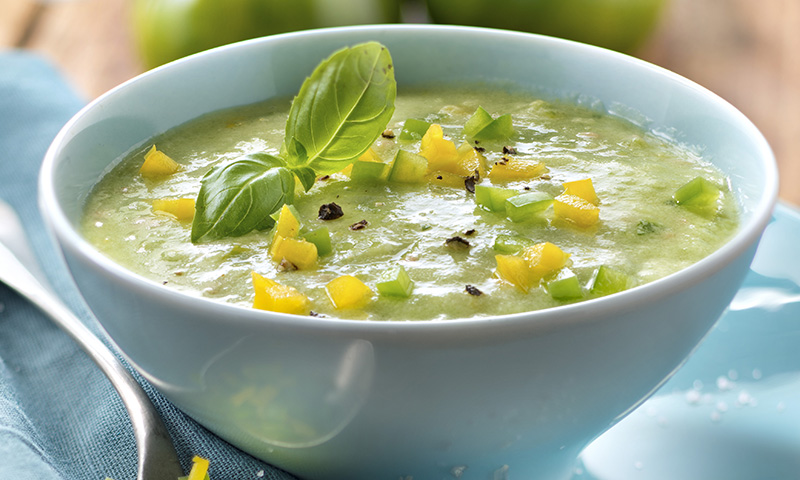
748, 233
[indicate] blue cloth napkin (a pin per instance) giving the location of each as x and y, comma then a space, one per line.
59, 416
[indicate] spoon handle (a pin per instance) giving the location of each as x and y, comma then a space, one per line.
157, 457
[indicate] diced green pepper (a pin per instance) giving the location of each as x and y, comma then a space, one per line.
320, 237
395, 282
699, 196
565, 286
368, 171
408, 167
527, 206
493, 198
413, 130
477, 122
500, 129
511, 244
607, 280
645, 227
482, 127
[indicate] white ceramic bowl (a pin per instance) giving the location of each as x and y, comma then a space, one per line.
335, 399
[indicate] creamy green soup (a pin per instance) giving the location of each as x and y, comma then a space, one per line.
642, 233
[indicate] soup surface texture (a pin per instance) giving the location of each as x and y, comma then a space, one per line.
441, 229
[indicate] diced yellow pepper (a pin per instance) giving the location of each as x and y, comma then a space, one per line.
544, 259
157, 164
445, 178
582, 188
576, 209
288, 225
274, 246
511, 168
470, 161
441, 153
300, 253
199, 469
370, 156
271, 295
514, 270
348, 292
180, 208
347, 170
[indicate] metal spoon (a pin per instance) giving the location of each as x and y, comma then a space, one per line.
157, 457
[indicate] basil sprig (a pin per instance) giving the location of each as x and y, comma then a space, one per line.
341, 108
339, 112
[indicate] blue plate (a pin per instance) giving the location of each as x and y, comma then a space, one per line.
732, 412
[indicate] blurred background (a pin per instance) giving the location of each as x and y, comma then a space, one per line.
745, 51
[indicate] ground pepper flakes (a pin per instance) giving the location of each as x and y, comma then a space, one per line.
330, 211
359, 225
469, 182
457, 242
473, 291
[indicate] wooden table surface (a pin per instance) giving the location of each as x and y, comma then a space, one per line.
746, 51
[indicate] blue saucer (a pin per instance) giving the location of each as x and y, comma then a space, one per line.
732, 412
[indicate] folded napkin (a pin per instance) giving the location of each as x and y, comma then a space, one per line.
59, 416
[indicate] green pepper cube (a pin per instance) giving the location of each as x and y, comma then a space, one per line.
500, 129
493, 198
511, 244
408, 167
482, 127
477, 122
395, 282
368, 171
527, 206
699, 196
413, 130
646, 227
607, 280
320, 237
565, 286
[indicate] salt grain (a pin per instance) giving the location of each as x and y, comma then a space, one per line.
744, 399
458, 471
693, 397
501, 473
724, 384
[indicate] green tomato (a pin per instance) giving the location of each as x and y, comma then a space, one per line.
166, 30
621, 25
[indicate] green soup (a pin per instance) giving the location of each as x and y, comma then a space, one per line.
444, 240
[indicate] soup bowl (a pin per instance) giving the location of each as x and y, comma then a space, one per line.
515, 395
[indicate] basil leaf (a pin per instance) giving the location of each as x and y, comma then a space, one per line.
239, 197
341, 108
306, 176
